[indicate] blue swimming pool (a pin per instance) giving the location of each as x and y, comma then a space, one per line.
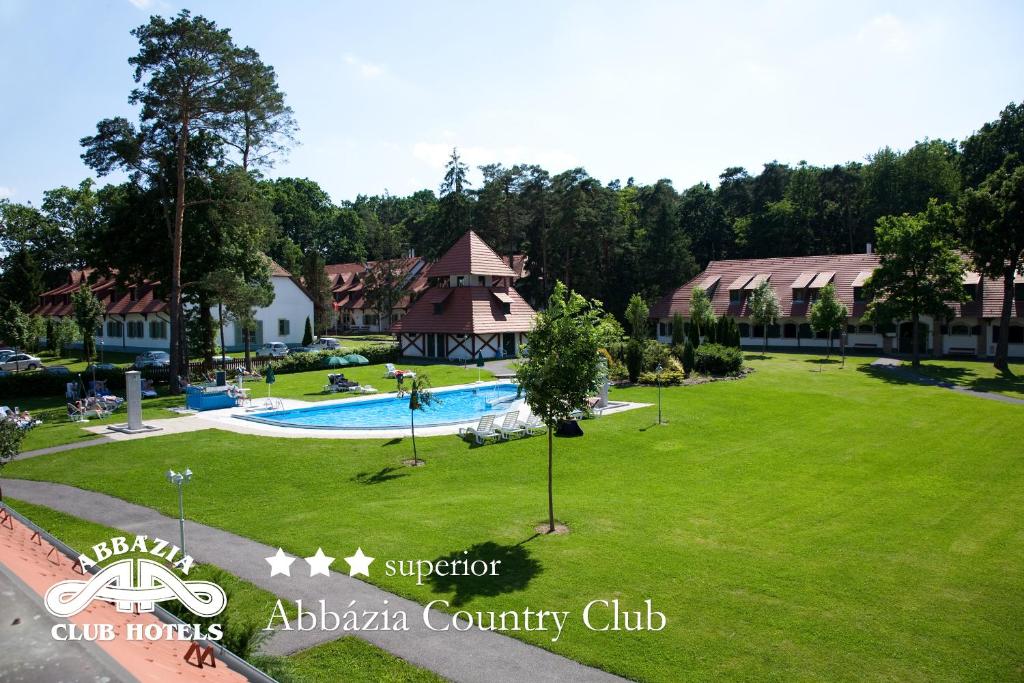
389, 412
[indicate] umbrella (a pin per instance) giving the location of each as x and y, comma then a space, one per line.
356, 359
270, 378
337, 362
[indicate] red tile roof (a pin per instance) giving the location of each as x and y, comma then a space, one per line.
845, 271
782, 273
470, 255
467, 310
348, 281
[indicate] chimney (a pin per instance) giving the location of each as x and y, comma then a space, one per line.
412, 252
870, 249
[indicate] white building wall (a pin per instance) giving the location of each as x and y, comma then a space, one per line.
128, 344
290, 303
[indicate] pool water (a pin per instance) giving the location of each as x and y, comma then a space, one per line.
390, 412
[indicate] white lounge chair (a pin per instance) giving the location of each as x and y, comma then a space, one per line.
510, 425
533, 425
364, 389
75, 414
483, 431
390, 371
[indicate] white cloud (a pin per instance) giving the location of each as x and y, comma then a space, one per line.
365, 69
888, 34
142, 4
6, 192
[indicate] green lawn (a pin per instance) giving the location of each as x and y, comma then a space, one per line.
836, 525
977, 375
305, 386
309, 386
348, 658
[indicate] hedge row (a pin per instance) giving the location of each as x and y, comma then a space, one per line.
43, 384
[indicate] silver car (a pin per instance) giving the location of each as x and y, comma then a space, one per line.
20, 361
152, 359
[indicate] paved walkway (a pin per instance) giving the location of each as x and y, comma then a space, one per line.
895, 367
471, 655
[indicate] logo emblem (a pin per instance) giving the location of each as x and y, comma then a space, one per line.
155, 584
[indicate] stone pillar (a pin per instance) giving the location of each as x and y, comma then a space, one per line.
133, 396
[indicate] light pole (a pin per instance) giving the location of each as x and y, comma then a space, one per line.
179, 479
657, 372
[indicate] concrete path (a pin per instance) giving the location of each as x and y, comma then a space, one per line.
64, 447
470, 655
895, 367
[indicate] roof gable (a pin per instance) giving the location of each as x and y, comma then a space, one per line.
470, 255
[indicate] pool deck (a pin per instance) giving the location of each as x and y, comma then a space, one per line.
228, 419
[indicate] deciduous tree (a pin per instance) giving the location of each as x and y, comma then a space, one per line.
764, 310
919, 270
562, 369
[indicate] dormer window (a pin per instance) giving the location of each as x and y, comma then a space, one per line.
438, 308
735, 296
460, 280
480, 280
799, 296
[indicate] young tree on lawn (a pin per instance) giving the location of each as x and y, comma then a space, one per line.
318, 286
15, 327
828, 314
702, 315
197, 99
88, 316
240, 297
637, 315
63, 331
11, 436
993, 231
919, 271
420, 397
307, 333
385, 284
678, 329
562, 369
764, 310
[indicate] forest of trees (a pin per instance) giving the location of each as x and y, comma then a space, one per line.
606, 240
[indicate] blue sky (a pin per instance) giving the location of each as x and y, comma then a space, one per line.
382, 91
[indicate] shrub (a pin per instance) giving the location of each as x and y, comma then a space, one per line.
715, 359
678, 350
634, 360
656, 353
678, 330
688, 358
667, 377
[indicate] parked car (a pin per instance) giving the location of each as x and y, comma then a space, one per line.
57, 370
100, 367
152, 359
327, 344
4, 353
305, 349
20, 361
272, 350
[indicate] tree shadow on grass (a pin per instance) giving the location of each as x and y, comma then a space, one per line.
824, 361
393, 442
948, 377
384, 474
515, 572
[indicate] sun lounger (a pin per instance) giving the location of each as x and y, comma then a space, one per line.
510, 425
391, 371
483, 431
533, 425
364, 389
76, 414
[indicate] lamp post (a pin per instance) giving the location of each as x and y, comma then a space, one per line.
179, 479
657, 372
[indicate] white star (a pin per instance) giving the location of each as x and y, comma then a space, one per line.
319, 563
280, 563
359, 563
